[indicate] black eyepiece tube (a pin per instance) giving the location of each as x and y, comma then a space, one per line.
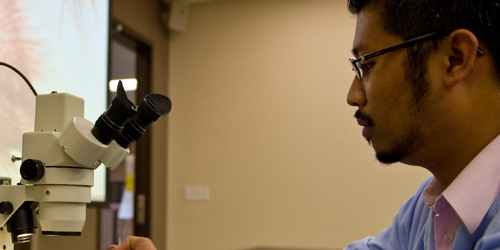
23, 224
110, 124
149, 110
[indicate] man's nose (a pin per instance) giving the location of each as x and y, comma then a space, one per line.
356, 95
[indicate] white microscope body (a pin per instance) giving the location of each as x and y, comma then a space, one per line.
59, 159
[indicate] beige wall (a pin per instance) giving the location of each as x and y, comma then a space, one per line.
259, 116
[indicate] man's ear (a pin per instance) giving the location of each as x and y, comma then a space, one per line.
461, 48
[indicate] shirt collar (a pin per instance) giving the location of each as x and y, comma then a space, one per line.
432, 192
475, 189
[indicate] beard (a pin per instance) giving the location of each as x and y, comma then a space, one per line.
412, 139
400, 147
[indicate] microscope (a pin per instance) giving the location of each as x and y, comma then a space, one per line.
59, 159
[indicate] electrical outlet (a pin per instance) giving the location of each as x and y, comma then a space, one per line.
196, 193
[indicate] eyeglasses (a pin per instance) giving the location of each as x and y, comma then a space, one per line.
356, 62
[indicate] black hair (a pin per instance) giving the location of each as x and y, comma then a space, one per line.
411, 18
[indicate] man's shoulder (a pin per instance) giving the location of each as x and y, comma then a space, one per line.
416, 199
424, 184
413, 214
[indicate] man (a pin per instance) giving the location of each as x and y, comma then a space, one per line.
427, 89
432, 100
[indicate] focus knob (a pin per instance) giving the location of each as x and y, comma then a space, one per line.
6, 207
32, 170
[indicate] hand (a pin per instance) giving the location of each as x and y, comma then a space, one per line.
134, 243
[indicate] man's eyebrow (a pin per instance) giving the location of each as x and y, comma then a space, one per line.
355, 52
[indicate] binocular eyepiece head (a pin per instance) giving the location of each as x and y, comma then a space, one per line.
124, 122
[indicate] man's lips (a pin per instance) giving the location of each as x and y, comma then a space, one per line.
362, 122
363, 119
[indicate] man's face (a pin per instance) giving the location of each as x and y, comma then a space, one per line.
393, 121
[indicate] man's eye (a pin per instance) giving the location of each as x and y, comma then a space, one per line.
366, 67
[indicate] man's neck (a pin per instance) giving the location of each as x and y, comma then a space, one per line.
447, 161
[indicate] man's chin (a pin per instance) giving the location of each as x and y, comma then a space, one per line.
387, 158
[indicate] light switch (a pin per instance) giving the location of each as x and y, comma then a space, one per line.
196, 193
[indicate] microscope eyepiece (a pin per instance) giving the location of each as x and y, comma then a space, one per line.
110, 124
149, 110
32, 170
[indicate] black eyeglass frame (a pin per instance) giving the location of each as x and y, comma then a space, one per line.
356, 62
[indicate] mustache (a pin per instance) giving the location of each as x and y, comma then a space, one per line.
364, 117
